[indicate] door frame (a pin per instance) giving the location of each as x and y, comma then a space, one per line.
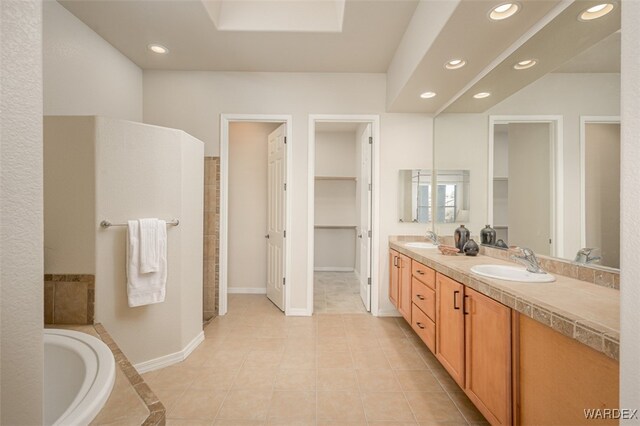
374, 121
584, 120
556, 168
225, 120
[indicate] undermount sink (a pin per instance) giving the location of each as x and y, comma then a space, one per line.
511, 273
421, 245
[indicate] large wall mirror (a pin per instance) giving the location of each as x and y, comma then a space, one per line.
543, 149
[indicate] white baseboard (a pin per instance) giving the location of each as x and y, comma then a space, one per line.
246, 290
333, 269
167, 360
388, 313
298, 312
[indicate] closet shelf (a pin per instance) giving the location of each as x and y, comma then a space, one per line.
500, 178
335, 226
353, 178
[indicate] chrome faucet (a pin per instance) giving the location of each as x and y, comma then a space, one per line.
430, 235
584, 256
528, 259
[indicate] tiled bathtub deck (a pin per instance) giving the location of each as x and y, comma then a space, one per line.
258, 367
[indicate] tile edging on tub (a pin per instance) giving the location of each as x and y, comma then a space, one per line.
157, 411
597, 337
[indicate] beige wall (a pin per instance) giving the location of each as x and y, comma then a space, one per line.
193, 102
149, 171
602, 190
248, 206
630, 220
69, 195
84, 74
21, 271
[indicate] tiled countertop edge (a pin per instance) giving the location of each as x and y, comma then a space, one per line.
596, 336
157, 411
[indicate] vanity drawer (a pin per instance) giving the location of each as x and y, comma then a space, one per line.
424, 274
424, 327
423, 297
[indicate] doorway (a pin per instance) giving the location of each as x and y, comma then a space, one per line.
600, 188
526, 207
342, 198
255, 207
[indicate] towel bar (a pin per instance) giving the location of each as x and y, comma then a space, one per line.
106, 224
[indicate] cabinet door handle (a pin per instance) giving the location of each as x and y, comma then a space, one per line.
464, 305
420, 325
419, 296
455, 299
420, 272
395, 261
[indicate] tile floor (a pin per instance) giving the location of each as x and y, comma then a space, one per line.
336, 292
258, 367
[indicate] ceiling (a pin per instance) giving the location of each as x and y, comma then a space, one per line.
604, 57
554, 45
363, 36
371, 32
468, 34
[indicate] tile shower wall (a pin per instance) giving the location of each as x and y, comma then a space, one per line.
211, 237
69, 299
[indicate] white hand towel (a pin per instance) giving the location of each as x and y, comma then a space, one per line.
145, 288
149, 245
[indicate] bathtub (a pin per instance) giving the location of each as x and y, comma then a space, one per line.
79, 372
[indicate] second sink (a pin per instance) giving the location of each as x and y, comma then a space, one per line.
511, 273
421, 245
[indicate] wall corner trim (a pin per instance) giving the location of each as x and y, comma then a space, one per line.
170, 359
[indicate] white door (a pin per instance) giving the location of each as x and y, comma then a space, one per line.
276, 216
364, 234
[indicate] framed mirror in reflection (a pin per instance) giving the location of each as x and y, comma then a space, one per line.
414, 196
544, 148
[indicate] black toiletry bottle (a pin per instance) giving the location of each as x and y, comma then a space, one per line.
460, 237
488, 236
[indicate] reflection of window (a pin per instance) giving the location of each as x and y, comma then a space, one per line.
423, 208
447, 204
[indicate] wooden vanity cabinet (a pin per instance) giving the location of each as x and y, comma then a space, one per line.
394, 277
473, 343
487, 352
450, 327
400, 283
404, 298
423, 303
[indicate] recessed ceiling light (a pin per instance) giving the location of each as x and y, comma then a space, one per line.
482, 95
158, 48
428, 95
523, 65
504, 11
595, 12
454, 64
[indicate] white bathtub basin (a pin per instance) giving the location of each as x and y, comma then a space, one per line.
79, 372
511, 273
421, 245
